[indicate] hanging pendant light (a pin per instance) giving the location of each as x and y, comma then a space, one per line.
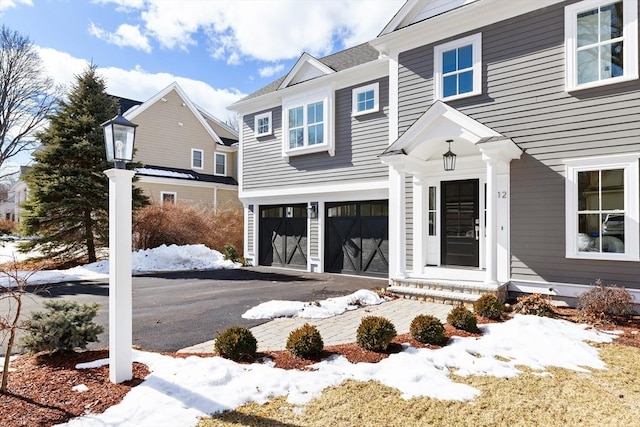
449, 158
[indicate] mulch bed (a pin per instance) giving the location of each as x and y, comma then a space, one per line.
41, 394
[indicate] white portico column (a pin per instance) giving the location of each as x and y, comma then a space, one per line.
491, 277
397, 224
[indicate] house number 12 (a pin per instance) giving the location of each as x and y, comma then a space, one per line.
502, 194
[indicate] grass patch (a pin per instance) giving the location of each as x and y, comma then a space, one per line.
558, 397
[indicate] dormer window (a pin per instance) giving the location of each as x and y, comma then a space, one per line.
262, 124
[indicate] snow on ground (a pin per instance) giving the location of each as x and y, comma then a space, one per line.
178, 391
162, 258
313, 310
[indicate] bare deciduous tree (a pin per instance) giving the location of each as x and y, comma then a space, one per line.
12, 294
27, 95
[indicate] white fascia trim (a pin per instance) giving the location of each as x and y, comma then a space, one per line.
330, 192
305, 60
456, 22
357, 75
182, 182
227, 149
570, 290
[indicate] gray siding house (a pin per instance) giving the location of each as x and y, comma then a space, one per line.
538, 100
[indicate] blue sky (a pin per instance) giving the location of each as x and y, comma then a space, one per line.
218, 51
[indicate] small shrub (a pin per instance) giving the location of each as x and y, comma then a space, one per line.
375, 333
605, 302
427, 329
535, 304
305, 342
462, 318
8, 227
236, 343
231, 252
489, 306
64, 326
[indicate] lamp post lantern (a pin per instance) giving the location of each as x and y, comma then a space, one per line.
119, 137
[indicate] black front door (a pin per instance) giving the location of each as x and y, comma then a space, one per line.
283, 236
460, 225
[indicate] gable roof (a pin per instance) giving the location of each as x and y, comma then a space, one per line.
229, 134
418, 10
339, 61
306, 68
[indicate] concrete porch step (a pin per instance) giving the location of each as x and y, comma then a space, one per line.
444, 291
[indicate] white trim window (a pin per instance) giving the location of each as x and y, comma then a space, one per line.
602, 208
364, 100
306, 125
197, 159
601, 42
458, 68
168, 197
221, 164
263, 124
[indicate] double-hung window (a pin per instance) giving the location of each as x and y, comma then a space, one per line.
458, 68
365, 99
262, 124
197, 159
221, 164
602, 208
306, 126
601, 39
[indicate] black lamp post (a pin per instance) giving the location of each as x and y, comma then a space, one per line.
449, 158
119, 137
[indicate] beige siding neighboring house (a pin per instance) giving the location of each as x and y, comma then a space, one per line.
187, 154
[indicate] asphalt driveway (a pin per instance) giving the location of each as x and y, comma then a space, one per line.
180, 309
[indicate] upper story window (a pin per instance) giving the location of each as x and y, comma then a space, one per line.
602, 208
601, 39
458, 68
365, 99
168, 197
306, 123
221, 164
197, 159
262, 124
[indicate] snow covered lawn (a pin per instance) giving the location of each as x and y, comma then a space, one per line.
179, 391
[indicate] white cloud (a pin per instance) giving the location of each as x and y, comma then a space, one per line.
271, 71
139, 84
10, 4
267, 31
125, 35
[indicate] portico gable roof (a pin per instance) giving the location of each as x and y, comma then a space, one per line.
428, 137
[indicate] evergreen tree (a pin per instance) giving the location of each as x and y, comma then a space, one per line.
68, 204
